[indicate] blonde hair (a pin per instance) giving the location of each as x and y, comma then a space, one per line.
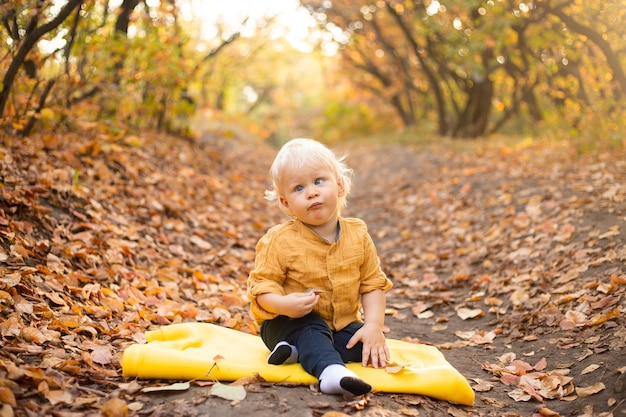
307, 152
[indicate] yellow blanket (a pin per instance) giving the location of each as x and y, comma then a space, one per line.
188, 350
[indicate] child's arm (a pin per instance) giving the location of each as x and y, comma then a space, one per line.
375, 350
294, 305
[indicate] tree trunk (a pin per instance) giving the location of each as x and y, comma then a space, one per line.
475, 118
27, 45
430, 75
42, 102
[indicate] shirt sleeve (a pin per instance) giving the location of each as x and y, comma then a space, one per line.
268, 275
372, 275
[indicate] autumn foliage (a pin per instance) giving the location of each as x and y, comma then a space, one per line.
455, 68
512, 253
102, 239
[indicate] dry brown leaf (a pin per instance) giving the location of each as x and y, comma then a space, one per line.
590, 390
518, 367
589, 369
335, 414
482, 385
10, 280
541, 365
201, 243
615, 280
394, 368
176, 386
7, 396
546, 412
456, 412
59, 396
33, 335
469, 313
115, 407
493, 301
519, 394
247, 380
102, 355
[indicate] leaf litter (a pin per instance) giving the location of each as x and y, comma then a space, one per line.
498, 254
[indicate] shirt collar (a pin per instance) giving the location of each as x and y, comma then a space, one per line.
309, 233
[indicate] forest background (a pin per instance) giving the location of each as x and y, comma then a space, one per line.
134, 140
459, 68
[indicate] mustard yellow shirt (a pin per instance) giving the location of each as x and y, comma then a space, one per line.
290, 257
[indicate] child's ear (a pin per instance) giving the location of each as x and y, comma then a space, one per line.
283, 202
342, 188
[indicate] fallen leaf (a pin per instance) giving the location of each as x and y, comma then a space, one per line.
589, 369
425, 314
102, 355
541, 365
59, 396
394, 368
590, 390
247, 380
135, 406
482, 385
201, 243
33, 335
10, 280
177, 386
466, 313
519, 394
115, 407
545, 411
456, 412
7, 396
228, 392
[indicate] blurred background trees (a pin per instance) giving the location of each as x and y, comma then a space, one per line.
457, 68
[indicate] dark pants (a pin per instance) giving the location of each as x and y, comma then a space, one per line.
317, 345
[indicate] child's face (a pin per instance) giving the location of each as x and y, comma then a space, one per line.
311, 193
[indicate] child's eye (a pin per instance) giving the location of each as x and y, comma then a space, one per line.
298, 188
318, 181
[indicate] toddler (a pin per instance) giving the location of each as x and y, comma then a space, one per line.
313, 273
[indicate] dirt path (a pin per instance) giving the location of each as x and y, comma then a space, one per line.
510, 260
522, 239
507, 260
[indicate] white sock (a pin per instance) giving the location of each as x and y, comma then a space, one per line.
337, 379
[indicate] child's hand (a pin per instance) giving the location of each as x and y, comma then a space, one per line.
375, 350
298, 304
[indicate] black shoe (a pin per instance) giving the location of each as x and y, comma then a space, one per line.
279, 355
355, 386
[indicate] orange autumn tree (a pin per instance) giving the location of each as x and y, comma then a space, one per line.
477, 67
91, 61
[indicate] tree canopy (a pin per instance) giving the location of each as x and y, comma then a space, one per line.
478, 65
463, 68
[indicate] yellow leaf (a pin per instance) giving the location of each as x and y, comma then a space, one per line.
47, 113
228, 392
